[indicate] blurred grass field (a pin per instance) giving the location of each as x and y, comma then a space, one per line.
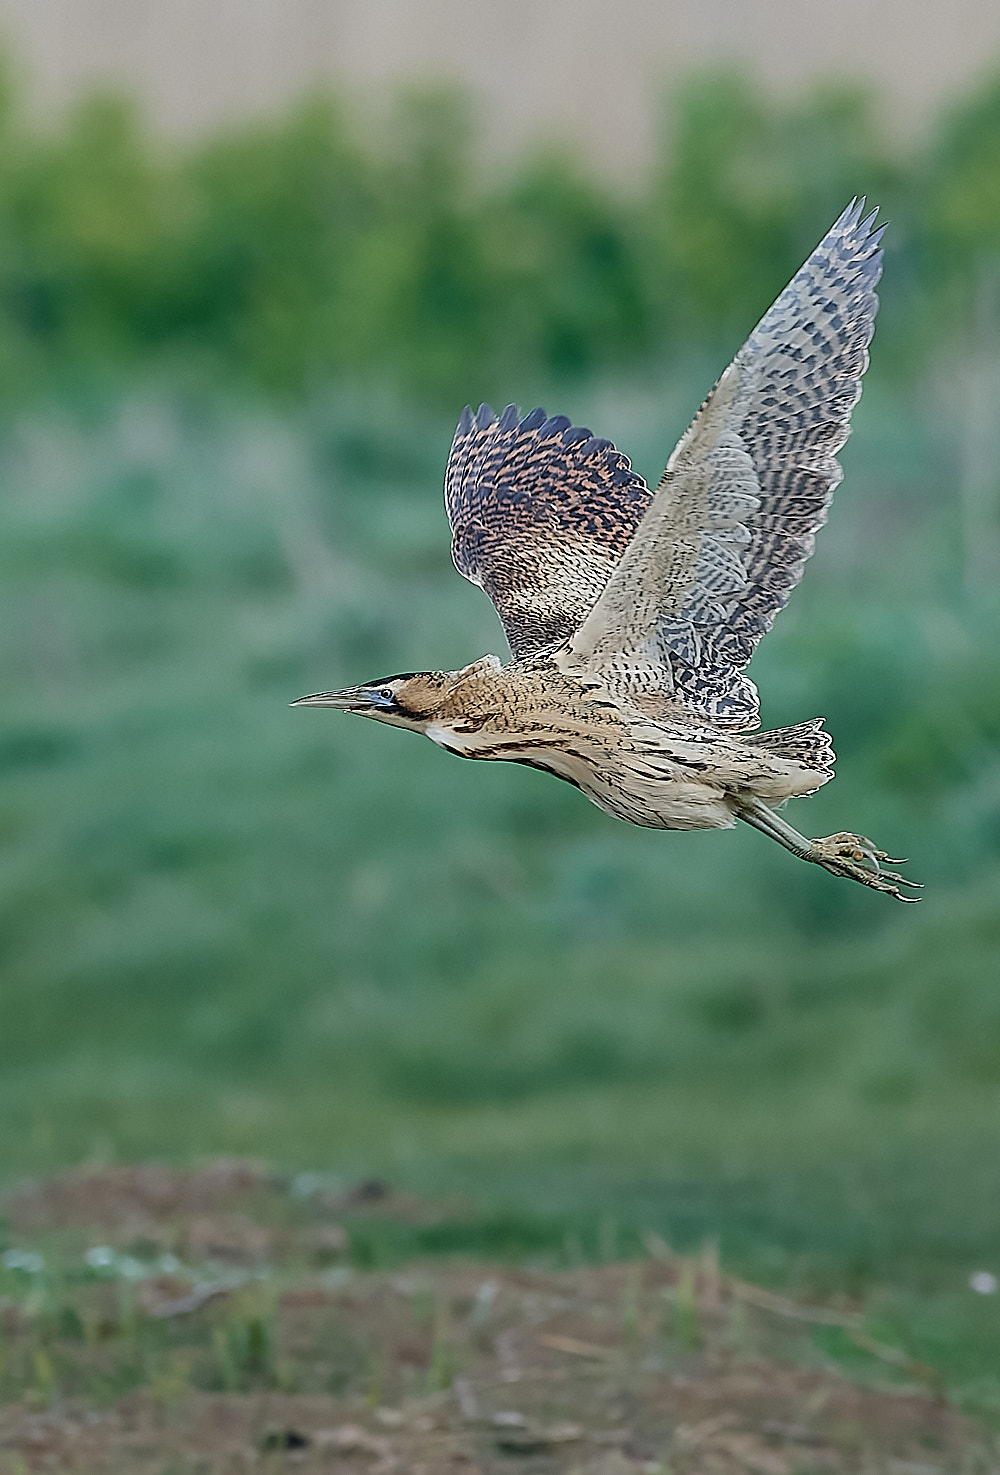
225, 926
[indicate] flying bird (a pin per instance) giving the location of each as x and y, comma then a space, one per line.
632, 612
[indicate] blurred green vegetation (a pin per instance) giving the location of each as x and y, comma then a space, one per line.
231, 377
305, 250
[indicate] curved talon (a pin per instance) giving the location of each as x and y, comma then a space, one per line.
859, 859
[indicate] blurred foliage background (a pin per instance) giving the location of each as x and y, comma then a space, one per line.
230, 377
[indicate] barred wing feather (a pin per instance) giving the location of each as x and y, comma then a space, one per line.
541, 512
733, 520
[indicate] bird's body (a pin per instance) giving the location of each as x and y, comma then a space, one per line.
662, 770
632, 612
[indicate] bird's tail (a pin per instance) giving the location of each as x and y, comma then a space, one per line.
806, 743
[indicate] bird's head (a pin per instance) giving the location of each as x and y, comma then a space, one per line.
411, 700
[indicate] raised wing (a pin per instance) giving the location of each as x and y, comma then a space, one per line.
541, 512
734, 517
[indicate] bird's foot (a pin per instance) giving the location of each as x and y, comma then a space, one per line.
854, 856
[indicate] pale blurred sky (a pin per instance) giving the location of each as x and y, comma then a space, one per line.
588, 70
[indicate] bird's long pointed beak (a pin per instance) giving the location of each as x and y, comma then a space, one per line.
354, 699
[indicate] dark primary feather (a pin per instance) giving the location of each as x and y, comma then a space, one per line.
541, 511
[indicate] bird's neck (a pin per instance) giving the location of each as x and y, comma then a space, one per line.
522, 702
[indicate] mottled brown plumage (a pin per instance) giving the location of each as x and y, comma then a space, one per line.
632, 613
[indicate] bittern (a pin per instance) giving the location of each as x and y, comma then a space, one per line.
632, 613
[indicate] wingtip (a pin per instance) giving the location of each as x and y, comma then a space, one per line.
875, 238
533, 419
847, 219
866, 227
854, 221
859, 233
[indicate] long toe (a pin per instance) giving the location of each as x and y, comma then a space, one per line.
860, 860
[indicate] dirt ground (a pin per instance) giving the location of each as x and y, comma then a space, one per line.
211, 1323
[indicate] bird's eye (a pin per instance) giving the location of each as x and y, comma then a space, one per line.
386, 692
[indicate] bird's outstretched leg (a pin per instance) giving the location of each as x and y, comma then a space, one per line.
843, 854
